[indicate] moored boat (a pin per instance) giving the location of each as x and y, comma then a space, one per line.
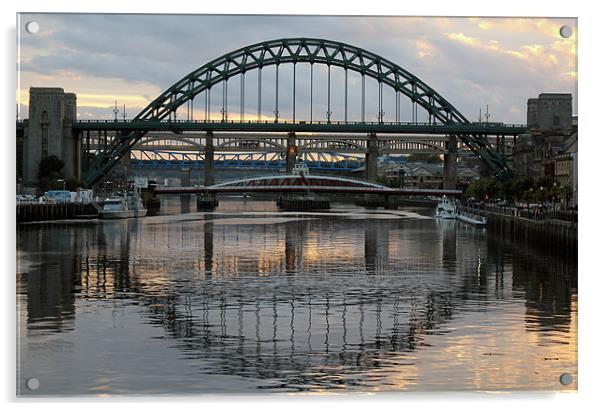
446, 209
123, 206
116, 207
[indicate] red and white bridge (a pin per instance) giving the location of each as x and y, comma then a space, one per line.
301, 183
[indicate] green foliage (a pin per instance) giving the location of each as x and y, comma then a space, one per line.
482, 188
72, 184
540, 191
51, 168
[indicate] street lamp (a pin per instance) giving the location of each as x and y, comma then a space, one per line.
61, 181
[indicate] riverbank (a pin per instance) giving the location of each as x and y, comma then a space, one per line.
550, 234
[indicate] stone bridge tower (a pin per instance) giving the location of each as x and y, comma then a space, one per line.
49, 131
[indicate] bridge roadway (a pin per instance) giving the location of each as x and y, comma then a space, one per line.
179, 126
273, 142
299, 183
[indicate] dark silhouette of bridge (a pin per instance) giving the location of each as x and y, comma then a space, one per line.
300, 183
103, 143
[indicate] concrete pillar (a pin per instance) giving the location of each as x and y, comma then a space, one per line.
208, 201
450, 165
185, 177
70, 148
372, 158
291, 153
49, 131
209, 150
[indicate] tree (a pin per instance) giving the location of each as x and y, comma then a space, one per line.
72, 184
50, 170
50, 167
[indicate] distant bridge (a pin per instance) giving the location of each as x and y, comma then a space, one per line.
300, 183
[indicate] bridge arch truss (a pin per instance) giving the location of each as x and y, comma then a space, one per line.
294, 51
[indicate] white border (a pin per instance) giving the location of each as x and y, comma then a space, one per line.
589, 242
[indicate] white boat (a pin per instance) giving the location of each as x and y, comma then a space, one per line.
125, 206
446, 209
116, 207
474, 219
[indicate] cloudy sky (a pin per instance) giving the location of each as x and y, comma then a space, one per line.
472, 62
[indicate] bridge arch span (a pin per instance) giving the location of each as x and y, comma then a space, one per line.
392, 145
292, 51
145, 142
343, 145
301, 50
230, 143
300, 182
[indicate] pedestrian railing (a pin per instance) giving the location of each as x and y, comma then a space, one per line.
531, 214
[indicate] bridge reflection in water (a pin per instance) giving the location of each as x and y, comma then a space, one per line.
310, 303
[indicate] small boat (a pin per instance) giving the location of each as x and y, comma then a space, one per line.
446, 209
123, 206
116, 207
473, 219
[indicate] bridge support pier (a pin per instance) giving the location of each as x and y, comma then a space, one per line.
49, 132
185, 180
450, 165
372, 200
208, 201
372, 158
209, 156
291, 153
391, 202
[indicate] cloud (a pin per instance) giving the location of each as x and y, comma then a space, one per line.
133, 58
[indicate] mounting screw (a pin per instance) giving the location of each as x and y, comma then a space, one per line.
566, 378
566, 32
32, 383
32, 27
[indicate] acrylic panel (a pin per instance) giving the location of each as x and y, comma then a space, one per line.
221, 204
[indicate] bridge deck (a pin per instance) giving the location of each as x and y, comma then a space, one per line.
315, 126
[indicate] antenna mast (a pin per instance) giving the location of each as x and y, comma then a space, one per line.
115, 110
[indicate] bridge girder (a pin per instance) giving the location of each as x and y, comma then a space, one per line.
293, 51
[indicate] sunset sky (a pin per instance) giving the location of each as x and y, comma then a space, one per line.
471, 62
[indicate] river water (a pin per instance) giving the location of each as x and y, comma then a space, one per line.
248, 299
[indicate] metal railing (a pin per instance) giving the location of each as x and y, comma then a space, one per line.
529, 213
336, 122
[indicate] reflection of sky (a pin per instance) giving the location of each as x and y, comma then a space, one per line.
470, 61
387, 304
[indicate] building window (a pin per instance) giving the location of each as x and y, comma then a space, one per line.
556, 120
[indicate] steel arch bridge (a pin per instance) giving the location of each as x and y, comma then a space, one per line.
303, 183
163, 159
293, 51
